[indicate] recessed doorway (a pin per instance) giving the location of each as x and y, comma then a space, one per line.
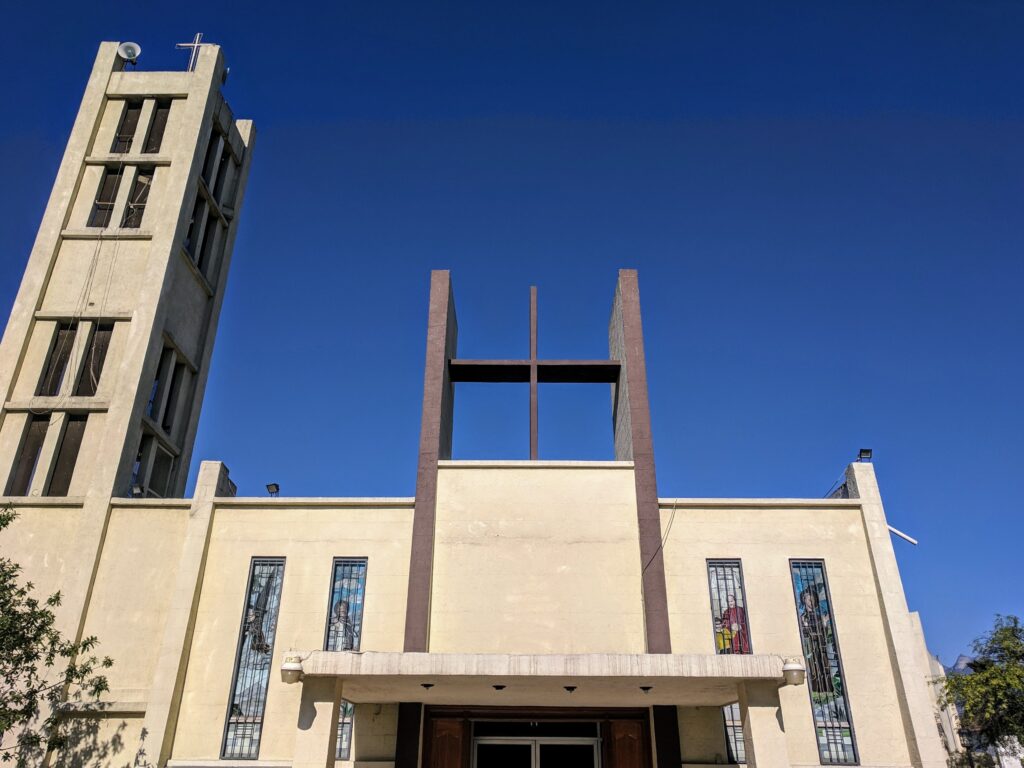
535, 737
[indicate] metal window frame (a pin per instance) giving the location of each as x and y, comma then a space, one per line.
330, 595
238, 652
743, 589
839, 656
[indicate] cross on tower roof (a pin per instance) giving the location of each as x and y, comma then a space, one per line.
534, 371
195, 45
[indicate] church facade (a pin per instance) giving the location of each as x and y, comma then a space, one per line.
512, 613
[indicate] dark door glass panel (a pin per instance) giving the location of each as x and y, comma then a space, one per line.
566, 755
504, 755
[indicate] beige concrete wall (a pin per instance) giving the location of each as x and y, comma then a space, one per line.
112, 286
374, 730
541, 559
102, 741
130, 598
45, 542
765, 537
309, 538
702, 735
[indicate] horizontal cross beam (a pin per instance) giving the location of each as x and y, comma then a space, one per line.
548, 371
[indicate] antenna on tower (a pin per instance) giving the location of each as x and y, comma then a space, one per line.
130, 52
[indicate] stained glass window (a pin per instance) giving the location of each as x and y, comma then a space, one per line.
345, 619
344, 631
825, 681
734, 734
346, 715
732, 635
728, 607
252, 664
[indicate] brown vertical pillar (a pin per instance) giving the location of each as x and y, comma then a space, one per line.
533, 373
666, 736
435, 444
407, 741
631, 415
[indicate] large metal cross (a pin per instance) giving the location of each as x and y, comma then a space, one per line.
535, 371
195, 45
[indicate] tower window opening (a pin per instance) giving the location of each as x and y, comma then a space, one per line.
127, 127
138, 198
95, 356
157, 127
20, 481
57, 362
67, 455
105, 197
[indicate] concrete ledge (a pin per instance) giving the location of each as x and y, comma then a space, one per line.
541, 680
128, 158
177, 763
43, 501
314, 501
526, 464
758, 503
109, 233
104, 708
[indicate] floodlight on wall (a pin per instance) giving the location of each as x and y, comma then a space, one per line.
274, 489
291, 669
793, 671
864, 454
569, 688
130, 52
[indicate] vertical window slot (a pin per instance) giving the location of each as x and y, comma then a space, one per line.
57, 362
127, 127
157, 127
105, 197
248, 698
826, 683
95, 356
67, 455
24, 469
138, 198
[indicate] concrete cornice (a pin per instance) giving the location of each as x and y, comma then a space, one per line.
42, 501
638, 666
526, 464
758, 503
263, 502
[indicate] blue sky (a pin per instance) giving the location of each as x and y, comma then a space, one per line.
823, 201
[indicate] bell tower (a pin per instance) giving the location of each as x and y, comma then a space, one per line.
104, 361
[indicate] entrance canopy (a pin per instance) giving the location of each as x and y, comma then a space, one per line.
596, 680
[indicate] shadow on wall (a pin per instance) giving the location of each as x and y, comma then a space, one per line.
93, 741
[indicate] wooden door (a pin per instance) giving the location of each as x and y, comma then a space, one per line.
627, 745
449, 743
